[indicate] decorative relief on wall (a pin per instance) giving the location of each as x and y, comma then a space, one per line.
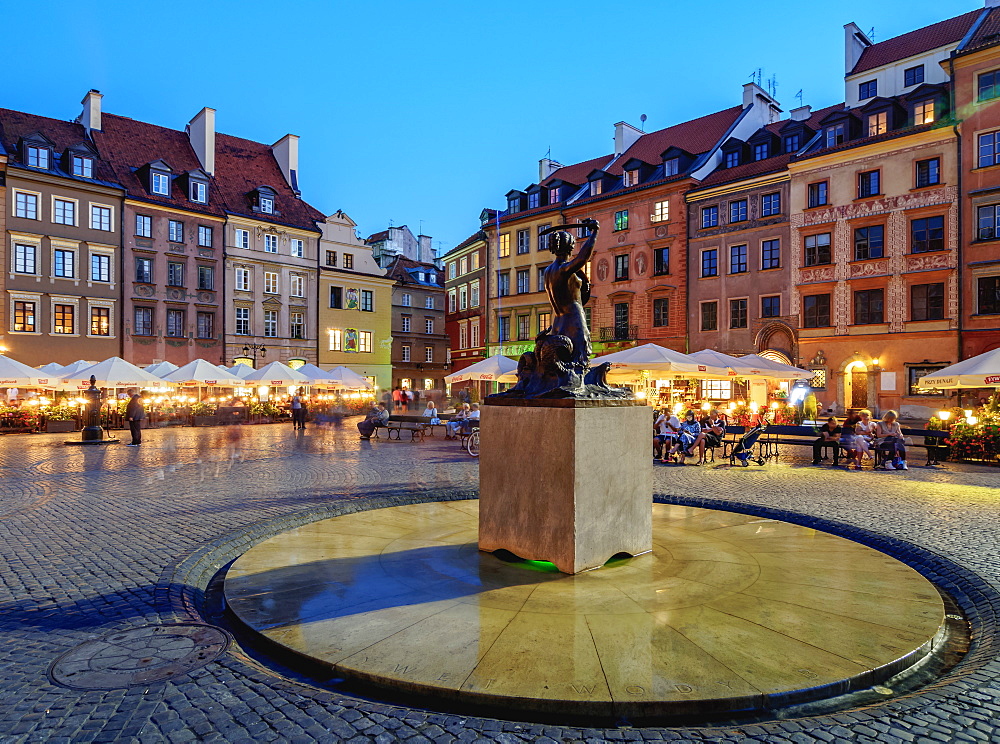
841, 308
895, 310
176, 294
661, 232
868, 268
143, 290
953, 300
603, 267
794, 258
206, 296
816, 274
641, 263
925, 261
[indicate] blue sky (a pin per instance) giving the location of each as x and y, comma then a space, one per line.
418, 111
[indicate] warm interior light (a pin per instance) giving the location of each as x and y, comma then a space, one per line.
875, 361
775, 405
754, 407
944, 415
706, 406
640, 394
968, 413
971, 420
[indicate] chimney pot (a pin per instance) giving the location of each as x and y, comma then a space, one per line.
286, 152
201, 134
91, 116
625, 137
801, 113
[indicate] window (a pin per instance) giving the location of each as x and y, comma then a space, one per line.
143, 226
989, 85
504, 248
63, 318
26, 205
927, 234
38, 157
671, 167
463, 336
927, 302
989, 149
631, 178
988, 222
661, 211
523, 241
541, 279
622, 321
818, 194
206, 277
928, 172
406, 300
100, 218
710, 262
732, 158
836, 135
266, 204
463, 298
429, 303
63, 264
428, 353
175, 323
523, 327
331, 258
83, 167
298, 248
737, 259
913, 76
175, 231
503, 328
915, 373
452, 270
206, 325
503, 284
463, 265
738, 210
336, 339
868, 306
100, 321
452, 301
242, 321
867, 89
143, 325
737, 313
161, 184
406, 353
428, 325
64, 212
661, 312
270, 243
365, 342
792, 143
336, 298
243, 241
271, 282
709, 316
716, 389
595, 188
868, 184
24, 317
621, 220
923, 113
816, 311
474, 294
199, 192
817, 249
298, 283
761, 151
270, 323
544, 321
621, 267
367, 301
988, 294
878, 123
100, 267
175, 274
661, 261
523, 281
205, 236
869, 242
144, 270
770, 307
474, 327
770, 254
709, 217
25, 259
405, 322
770, 204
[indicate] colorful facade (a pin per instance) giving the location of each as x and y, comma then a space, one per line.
419, 342
465, 293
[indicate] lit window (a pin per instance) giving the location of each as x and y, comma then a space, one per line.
63, 317
621, 220
24, 317
504, 248
365, 341
336, 339
100, 321
923, 113
661, 211
878, 123
595, 188
631, 178
161, 184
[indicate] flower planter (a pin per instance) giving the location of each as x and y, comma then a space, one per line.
60, 427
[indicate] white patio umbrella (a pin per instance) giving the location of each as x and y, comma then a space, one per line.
203, 374
223, 366
497, 368
52, 369
975, 372
349, 379
111, 373
15, 374
777, 369
240, 370
629, 363
739, 368
160, 368
318, 376
276, 374
70, 370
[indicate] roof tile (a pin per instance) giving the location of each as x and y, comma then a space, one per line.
924, 39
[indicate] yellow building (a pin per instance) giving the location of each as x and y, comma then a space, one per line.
355, 304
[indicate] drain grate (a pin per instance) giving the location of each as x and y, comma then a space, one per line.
139, 656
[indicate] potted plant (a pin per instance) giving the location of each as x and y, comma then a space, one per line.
59, 419
203, 414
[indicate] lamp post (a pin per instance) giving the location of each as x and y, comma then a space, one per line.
250, 352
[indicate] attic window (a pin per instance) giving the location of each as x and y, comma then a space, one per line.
263, 198
867, 89
266, 205
83, 167
761, 151
513, 204
534, 199
836, 135
923, 113
671, 166
632, 177
595, 188
554, 195
792, 143
199, 192
732, 159
159, 184
878, 123
37, 157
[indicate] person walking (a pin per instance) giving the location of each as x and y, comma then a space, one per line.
298, 411
134, 414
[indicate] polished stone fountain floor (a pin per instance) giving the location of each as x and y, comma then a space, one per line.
728, 612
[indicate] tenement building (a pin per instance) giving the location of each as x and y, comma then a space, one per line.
419, 341
465, 281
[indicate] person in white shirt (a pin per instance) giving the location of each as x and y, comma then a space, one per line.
452, 427
891, 439
666, 430
431, 411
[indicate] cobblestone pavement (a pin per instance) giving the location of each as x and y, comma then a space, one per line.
100, 540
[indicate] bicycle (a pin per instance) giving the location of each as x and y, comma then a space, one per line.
472, 443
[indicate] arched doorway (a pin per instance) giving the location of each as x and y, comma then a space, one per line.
856, 385
775, 356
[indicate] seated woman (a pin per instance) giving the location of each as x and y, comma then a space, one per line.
431, 411
713, 429
666, 430
848, 440
890, 436
864, 435
451, 428
690, 429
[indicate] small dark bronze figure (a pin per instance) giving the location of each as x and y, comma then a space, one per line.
559, 367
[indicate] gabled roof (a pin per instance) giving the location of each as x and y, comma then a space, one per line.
401, 269
950, 31
377, 237
480, 235
987, 34
63, 134
577, 173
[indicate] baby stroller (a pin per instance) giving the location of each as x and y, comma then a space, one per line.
743, 451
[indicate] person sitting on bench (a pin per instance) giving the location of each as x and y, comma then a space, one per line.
891, 441
376, 417
829, 434
452, 427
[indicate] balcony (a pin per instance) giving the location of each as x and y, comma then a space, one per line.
619, 333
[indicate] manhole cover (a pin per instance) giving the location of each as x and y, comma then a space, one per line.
140, 656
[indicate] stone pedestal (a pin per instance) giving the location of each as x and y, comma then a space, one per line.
566, 481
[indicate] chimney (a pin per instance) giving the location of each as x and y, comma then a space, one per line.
426, 249
286, 152
802, 113
201, 133
625, 136
993, 3
855, 42
764, 108
91, 116
547, 166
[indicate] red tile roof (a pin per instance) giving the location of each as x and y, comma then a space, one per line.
399, 269
378, 237
241, 166
16, 124
578, 172
129, 144
922, 40
988, 33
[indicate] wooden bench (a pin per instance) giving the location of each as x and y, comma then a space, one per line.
417, 430
804, 436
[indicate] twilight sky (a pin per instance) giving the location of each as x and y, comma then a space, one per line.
417, 111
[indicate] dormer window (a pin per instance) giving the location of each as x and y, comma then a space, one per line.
792, 143
534, 199
878, 123
732, 159
82, 166
836, 135
554, 195
632, 177
671, 167
159, 184
923, 113
199, 192
263, 200
37, 157
266, 205
761, 151
595, 188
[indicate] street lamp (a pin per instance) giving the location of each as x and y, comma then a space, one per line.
250, 353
